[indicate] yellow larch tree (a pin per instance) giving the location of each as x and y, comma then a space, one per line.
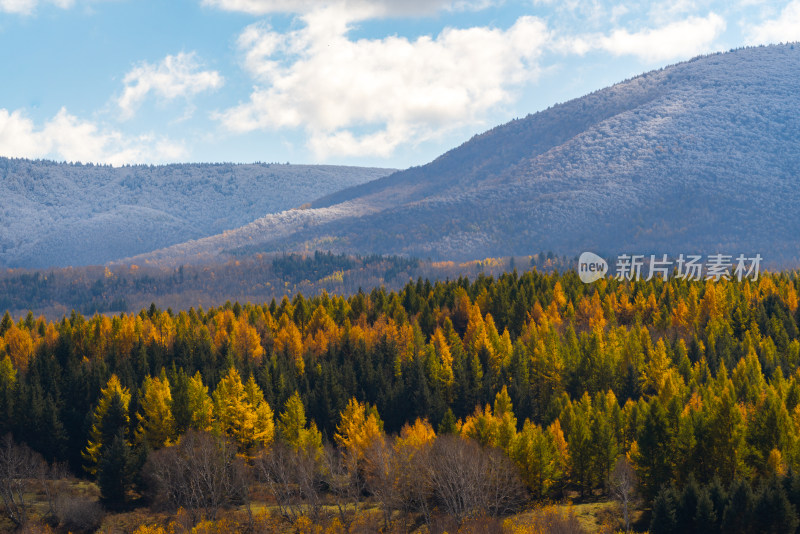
156, 422
505, 420
201, 407
558, 295
242, 413
655, 372
499, 352
481, 426
444, 357
294, 429
536, 454
496, 428
246, 342
124, 334
358, 427
162, 331
221, 327
321, 330
556, 433
19, 346
109, 416
289, 340
260, 422
416, 435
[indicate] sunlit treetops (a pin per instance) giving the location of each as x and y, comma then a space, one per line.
563, 377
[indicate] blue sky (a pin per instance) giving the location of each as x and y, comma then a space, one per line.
389, 83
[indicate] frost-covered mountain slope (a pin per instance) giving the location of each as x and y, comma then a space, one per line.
65, 214
698, 157
709, 161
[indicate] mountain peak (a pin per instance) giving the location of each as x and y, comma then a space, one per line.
700, 156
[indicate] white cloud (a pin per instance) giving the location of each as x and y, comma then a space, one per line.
678, 40
176, 76
618, 11
395, 89
784, 29
69, 138
661, 13
26, 7
682, 39
355, 9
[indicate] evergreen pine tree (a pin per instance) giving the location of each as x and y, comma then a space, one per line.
705, 519
738, 514
114, 471
448, 423
686, 509
772, 511
109, 418
663, 520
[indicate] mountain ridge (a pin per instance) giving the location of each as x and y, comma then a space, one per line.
698, 157
74, 214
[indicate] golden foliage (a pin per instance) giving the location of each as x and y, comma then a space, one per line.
242, 413
156, 423
19, 347
201, 407
93, 450
289, 341
358, 427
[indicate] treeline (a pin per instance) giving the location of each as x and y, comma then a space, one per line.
684, 382
257, 278
94, 289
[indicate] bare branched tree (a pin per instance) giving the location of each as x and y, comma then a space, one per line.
455, 474
20, 470
468, 480
274, 468
622, 483
503, 489
414, 480
382, 473
52, 481
294, 477
344, 479
201, 473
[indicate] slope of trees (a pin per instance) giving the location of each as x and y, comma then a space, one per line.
547, 386
659, 162
256, 278
72, 214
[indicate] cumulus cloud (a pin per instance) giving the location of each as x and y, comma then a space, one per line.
367, 96
783, 29
677, 40
356, 9
69, 138
176, 76
680, 39
26, 7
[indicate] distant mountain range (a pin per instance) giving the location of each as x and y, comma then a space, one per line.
698, 157
59, 214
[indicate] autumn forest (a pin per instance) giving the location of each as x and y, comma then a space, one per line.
440, 406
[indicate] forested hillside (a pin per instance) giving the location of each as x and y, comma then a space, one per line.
121, 288
700, 157
500, 392
59, 214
